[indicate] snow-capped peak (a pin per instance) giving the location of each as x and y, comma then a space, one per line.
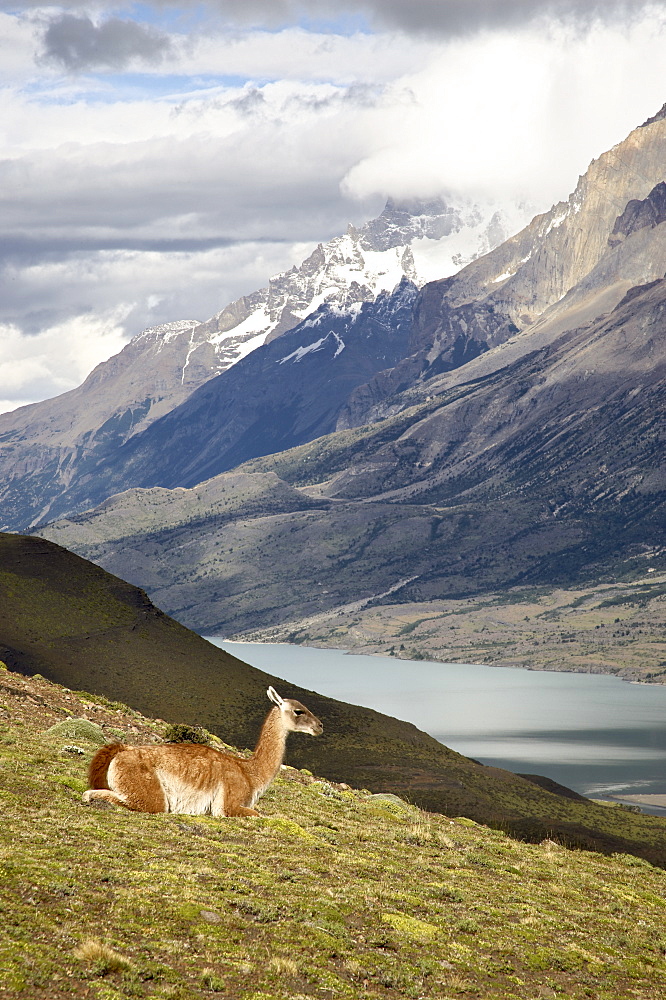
416, 240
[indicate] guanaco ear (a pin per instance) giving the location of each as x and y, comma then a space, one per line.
275, 697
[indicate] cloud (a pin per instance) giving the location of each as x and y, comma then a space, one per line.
457, 17
141, 177
515, 115
57, 359
449, 18
63, 314
125, 207
17, 48
77, 44
249, 102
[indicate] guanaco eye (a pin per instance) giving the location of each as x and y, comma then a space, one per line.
299, 711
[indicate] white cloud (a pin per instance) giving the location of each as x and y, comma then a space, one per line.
56, 359
295, 54
17, 47
129, 200
105, 297
518, 114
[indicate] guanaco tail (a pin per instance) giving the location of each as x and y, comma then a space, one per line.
195, 779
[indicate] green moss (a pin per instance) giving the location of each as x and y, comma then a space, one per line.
410, 927
287, 827
390, 802
76, 784
78, 729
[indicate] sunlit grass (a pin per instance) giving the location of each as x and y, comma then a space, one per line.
337, 895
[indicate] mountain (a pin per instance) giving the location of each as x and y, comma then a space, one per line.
561, 271
72, 623
284, 393
47, 447
509, 446
410, 239
549, 470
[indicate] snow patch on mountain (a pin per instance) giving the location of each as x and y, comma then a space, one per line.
165, 333
301, 352
420, 241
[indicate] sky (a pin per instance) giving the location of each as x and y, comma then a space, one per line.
157, 161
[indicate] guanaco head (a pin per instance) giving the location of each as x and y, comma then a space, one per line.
296, 717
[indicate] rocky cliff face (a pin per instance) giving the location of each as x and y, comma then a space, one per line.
565, 268
535, 269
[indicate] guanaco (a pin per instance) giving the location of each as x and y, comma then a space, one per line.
195, 779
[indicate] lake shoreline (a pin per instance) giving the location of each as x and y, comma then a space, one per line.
614, 629
364, 651
659, 801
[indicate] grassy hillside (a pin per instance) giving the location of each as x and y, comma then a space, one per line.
332, 892
72, 622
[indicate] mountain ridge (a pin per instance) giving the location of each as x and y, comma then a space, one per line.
559, 272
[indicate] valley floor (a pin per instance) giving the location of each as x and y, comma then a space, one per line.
616, 628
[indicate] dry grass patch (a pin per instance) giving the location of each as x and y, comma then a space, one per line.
100, 955
283, 966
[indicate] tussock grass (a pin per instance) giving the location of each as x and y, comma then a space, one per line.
80, 729
284, 966
103, 958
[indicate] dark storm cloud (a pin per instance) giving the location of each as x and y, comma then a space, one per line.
76, 43
461, 16
446, 17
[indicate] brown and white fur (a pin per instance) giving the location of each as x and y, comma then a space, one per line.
195, 779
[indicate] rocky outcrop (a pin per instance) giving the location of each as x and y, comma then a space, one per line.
651, 211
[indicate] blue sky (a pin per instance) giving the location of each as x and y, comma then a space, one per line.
159, 161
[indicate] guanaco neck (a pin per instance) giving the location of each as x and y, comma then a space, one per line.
268, 755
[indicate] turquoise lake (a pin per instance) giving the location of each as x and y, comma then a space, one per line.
596, 734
